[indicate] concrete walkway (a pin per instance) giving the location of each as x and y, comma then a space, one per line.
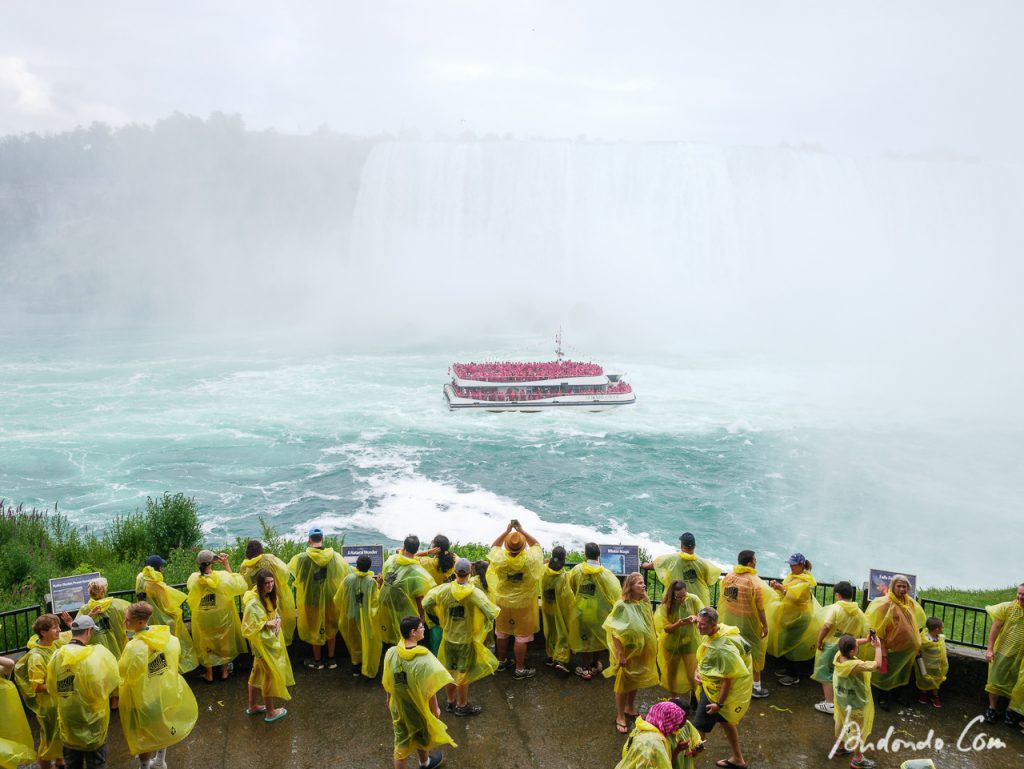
336, 720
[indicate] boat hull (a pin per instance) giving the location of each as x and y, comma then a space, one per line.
577, 402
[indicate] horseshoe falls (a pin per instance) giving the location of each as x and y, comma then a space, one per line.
824, 350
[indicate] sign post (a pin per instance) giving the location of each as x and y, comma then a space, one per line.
376, 552
620, 560
70, 593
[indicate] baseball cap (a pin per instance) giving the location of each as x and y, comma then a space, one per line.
316, 532
687, 540
155, 562
85, 622
205, 556
463, 566
796, 559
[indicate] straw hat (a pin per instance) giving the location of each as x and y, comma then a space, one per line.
514, 542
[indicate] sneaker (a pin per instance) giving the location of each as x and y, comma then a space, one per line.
597, 668
781, 673
314, 664
1010, 718
825, 707
468, 710
923, 698
862, 763
332, 664
450, 707
883, 702
759, 693
357, 669
160, 759
789, 680
584, 673
433, 761
991, 715
524, 673
549, 662
936, 702
505, 665
561, 667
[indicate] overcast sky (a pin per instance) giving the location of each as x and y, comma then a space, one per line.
857, 77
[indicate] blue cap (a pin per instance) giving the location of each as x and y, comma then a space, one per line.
316, 532
155, 562
796, 559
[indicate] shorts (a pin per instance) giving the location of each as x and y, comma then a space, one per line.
703, 720
519, 638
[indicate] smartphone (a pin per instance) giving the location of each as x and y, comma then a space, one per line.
872, 633
515, 523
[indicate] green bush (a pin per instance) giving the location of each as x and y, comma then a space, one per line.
129, 537
173, 522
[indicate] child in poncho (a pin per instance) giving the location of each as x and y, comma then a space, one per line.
271, 669
157, 707
357, 604
844, 617
675, 623
556, 605
634, 648
412, 677
855, 711
30, 676
466, 616
932, 666
166, 601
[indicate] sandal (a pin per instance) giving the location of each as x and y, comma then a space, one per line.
725, 763
281, 714
257, 711
621, 728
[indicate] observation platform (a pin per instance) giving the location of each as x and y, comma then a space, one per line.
551, 721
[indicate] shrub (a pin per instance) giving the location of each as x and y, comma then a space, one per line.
173, 522
129, 537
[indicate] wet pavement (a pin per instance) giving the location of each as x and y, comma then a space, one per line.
336, 720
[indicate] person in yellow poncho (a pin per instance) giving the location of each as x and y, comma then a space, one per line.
595, 590
404, 582
556, 606
676, 624
216, 631
412, 677
855, 712
634, 648
466, 615
898, 619
358, 605
652, 743
30, 676
1004, 653
16, 744
794, 625
844, 617
685, 741
516, 566
725, 674
698, 574
932, 666
166, 602
108, 614
256, 559
157, 708
744, 603
271, 669
318, 572
438, 561
82, 677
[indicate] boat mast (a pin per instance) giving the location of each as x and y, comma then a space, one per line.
559, 353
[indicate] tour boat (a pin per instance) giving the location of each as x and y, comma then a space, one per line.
536, 386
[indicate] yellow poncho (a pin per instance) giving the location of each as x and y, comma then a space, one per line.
358, 606
632, 624
82, 678
16, 744
898, 624
794, 626
646, 748
285, 597
30, 672
216, 631
1008, 649
726, 654
411, 677
404, 581
686, 739
842, 618
429, 564
466, 615
556, 606
110, 632
271, 668
595, 591
743, 593
677, 650
931, 667
166, 602
318, 574
854, 709
515, 584
698, 575
157, 707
